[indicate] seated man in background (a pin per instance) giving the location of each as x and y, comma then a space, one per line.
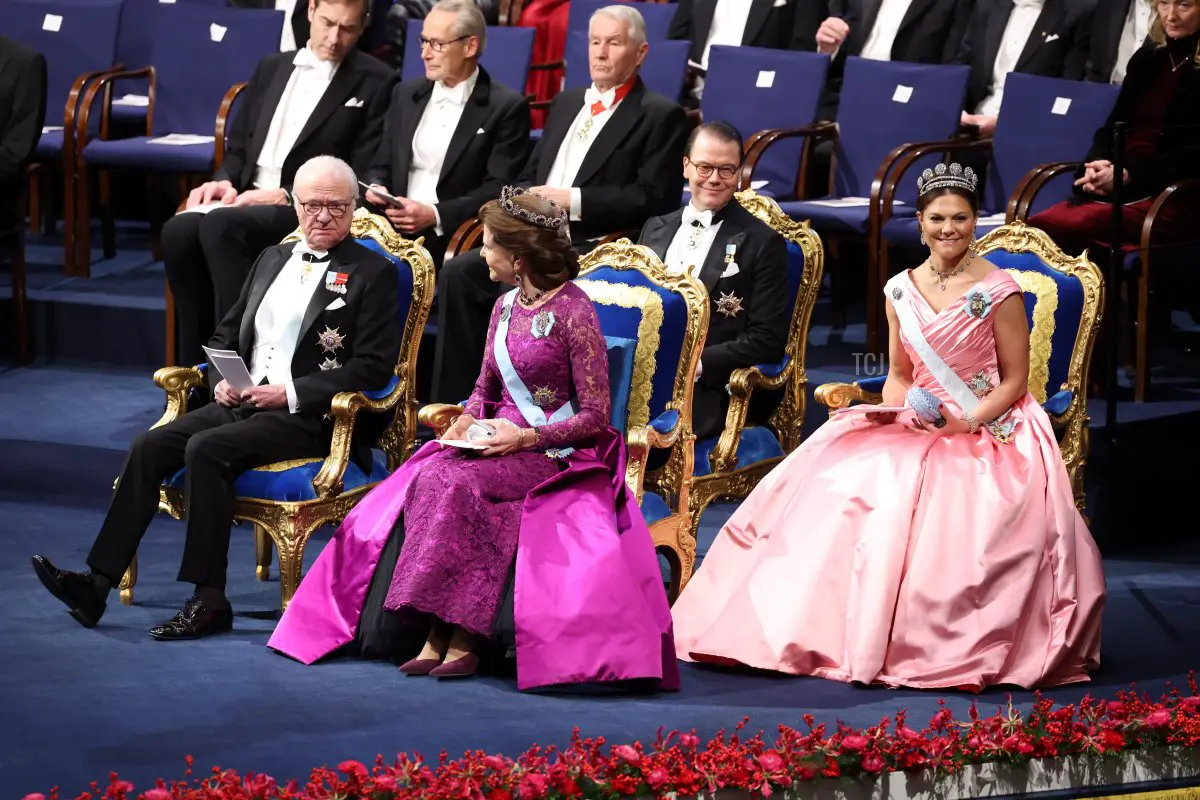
738, 258
773, 24
304, 337
22, 115
1036, 37
325, 99
884, 30
609, 153
451, 139
1119, 29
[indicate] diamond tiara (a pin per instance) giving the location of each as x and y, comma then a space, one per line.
944, 177
552, 222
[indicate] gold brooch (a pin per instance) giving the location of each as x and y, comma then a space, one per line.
544, 397
729, 304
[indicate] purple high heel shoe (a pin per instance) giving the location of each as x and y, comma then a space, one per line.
420, 666
458, 668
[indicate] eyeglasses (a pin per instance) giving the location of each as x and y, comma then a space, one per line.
336, 210
726, 171
438, 47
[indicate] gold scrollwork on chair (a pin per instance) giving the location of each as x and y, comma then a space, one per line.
728, 479
1072, 424
287, 524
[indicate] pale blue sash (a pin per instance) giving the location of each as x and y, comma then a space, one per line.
520, 394
896, 289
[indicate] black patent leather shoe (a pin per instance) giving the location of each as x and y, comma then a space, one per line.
74, 589
195, 621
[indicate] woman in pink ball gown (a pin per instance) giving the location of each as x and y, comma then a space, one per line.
893, 550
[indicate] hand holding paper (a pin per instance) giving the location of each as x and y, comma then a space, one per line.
231, 367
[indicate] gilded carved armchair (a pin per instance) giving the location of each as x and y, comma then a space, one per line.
731, 465
287, 501
1064, 297
654, 325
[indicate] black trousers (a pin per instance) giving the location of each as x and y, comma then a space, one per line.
215, 444
208, 257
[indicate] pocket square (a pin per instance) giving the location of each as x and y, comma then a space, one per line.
479, 131
1052, 37
780, 3
730, 270
336, 304
354, 102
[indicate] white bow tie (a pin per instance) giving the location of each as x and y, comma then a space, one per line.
444, 94
307, 59
302, 248
593, 95
691, 216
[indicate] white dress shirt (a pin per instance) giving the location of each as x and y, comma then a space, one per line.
692, 241
1133, 35
432, 139
307, 83
1018, 29
728, 25
278, 319
574, 148
287, 38
883, 32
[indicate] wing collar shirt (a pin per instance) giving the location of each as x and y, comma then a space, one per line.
309, 79
280, 315
598, 109
432, 140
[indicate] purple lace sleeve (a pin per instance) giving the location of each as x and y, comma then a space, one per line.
487, 385
589, 374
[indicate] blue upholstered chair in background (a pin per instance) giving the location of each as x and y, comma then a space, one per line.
885, 108
184, 101
286, 502
731, 465
655, 325
79, 40
1042, 121
506, 55
664, 69
757, 89
1064, 298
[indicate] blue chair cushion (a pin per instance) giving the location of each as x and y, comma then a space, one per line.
756, 444
50, 145
665, 422
379, 394
873, 384
138, 152
1058, 404
654, 508
621, 352
294, 484
404, 273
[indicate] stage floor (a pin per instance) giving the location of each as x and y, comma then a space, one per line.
79, 703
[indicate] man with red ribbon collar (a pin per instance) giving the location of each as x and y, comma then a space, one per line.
609, 153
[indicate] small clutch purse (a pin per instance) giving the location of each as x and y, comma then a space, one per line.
926, 405
478, 432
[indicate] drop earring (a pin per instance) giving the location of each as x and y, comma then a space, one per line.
922, 237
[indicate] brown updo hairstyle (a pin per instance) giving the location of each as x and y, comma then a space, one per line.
548, 259
925, 199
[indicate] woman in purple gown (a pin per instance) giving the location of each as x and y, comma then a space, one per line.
518, 518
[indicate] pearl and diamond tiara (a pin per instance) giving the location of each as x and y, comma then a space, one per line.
552, 222
947, 177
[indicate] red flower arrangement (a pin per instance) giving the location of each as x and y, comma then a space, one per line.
676, 763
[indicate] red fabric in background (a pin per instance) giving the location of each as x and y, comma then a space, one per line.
548, 18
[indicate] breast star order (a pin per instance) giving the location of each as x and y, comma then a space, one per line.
544, 397
330, 339
729, 304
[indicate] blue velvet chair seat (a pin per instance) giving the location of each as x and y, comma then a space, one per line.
654, 508
50, 145
294, 484
138, 153
756, 444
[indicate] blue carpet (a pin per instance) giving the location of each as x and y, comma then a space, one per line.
78, 703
